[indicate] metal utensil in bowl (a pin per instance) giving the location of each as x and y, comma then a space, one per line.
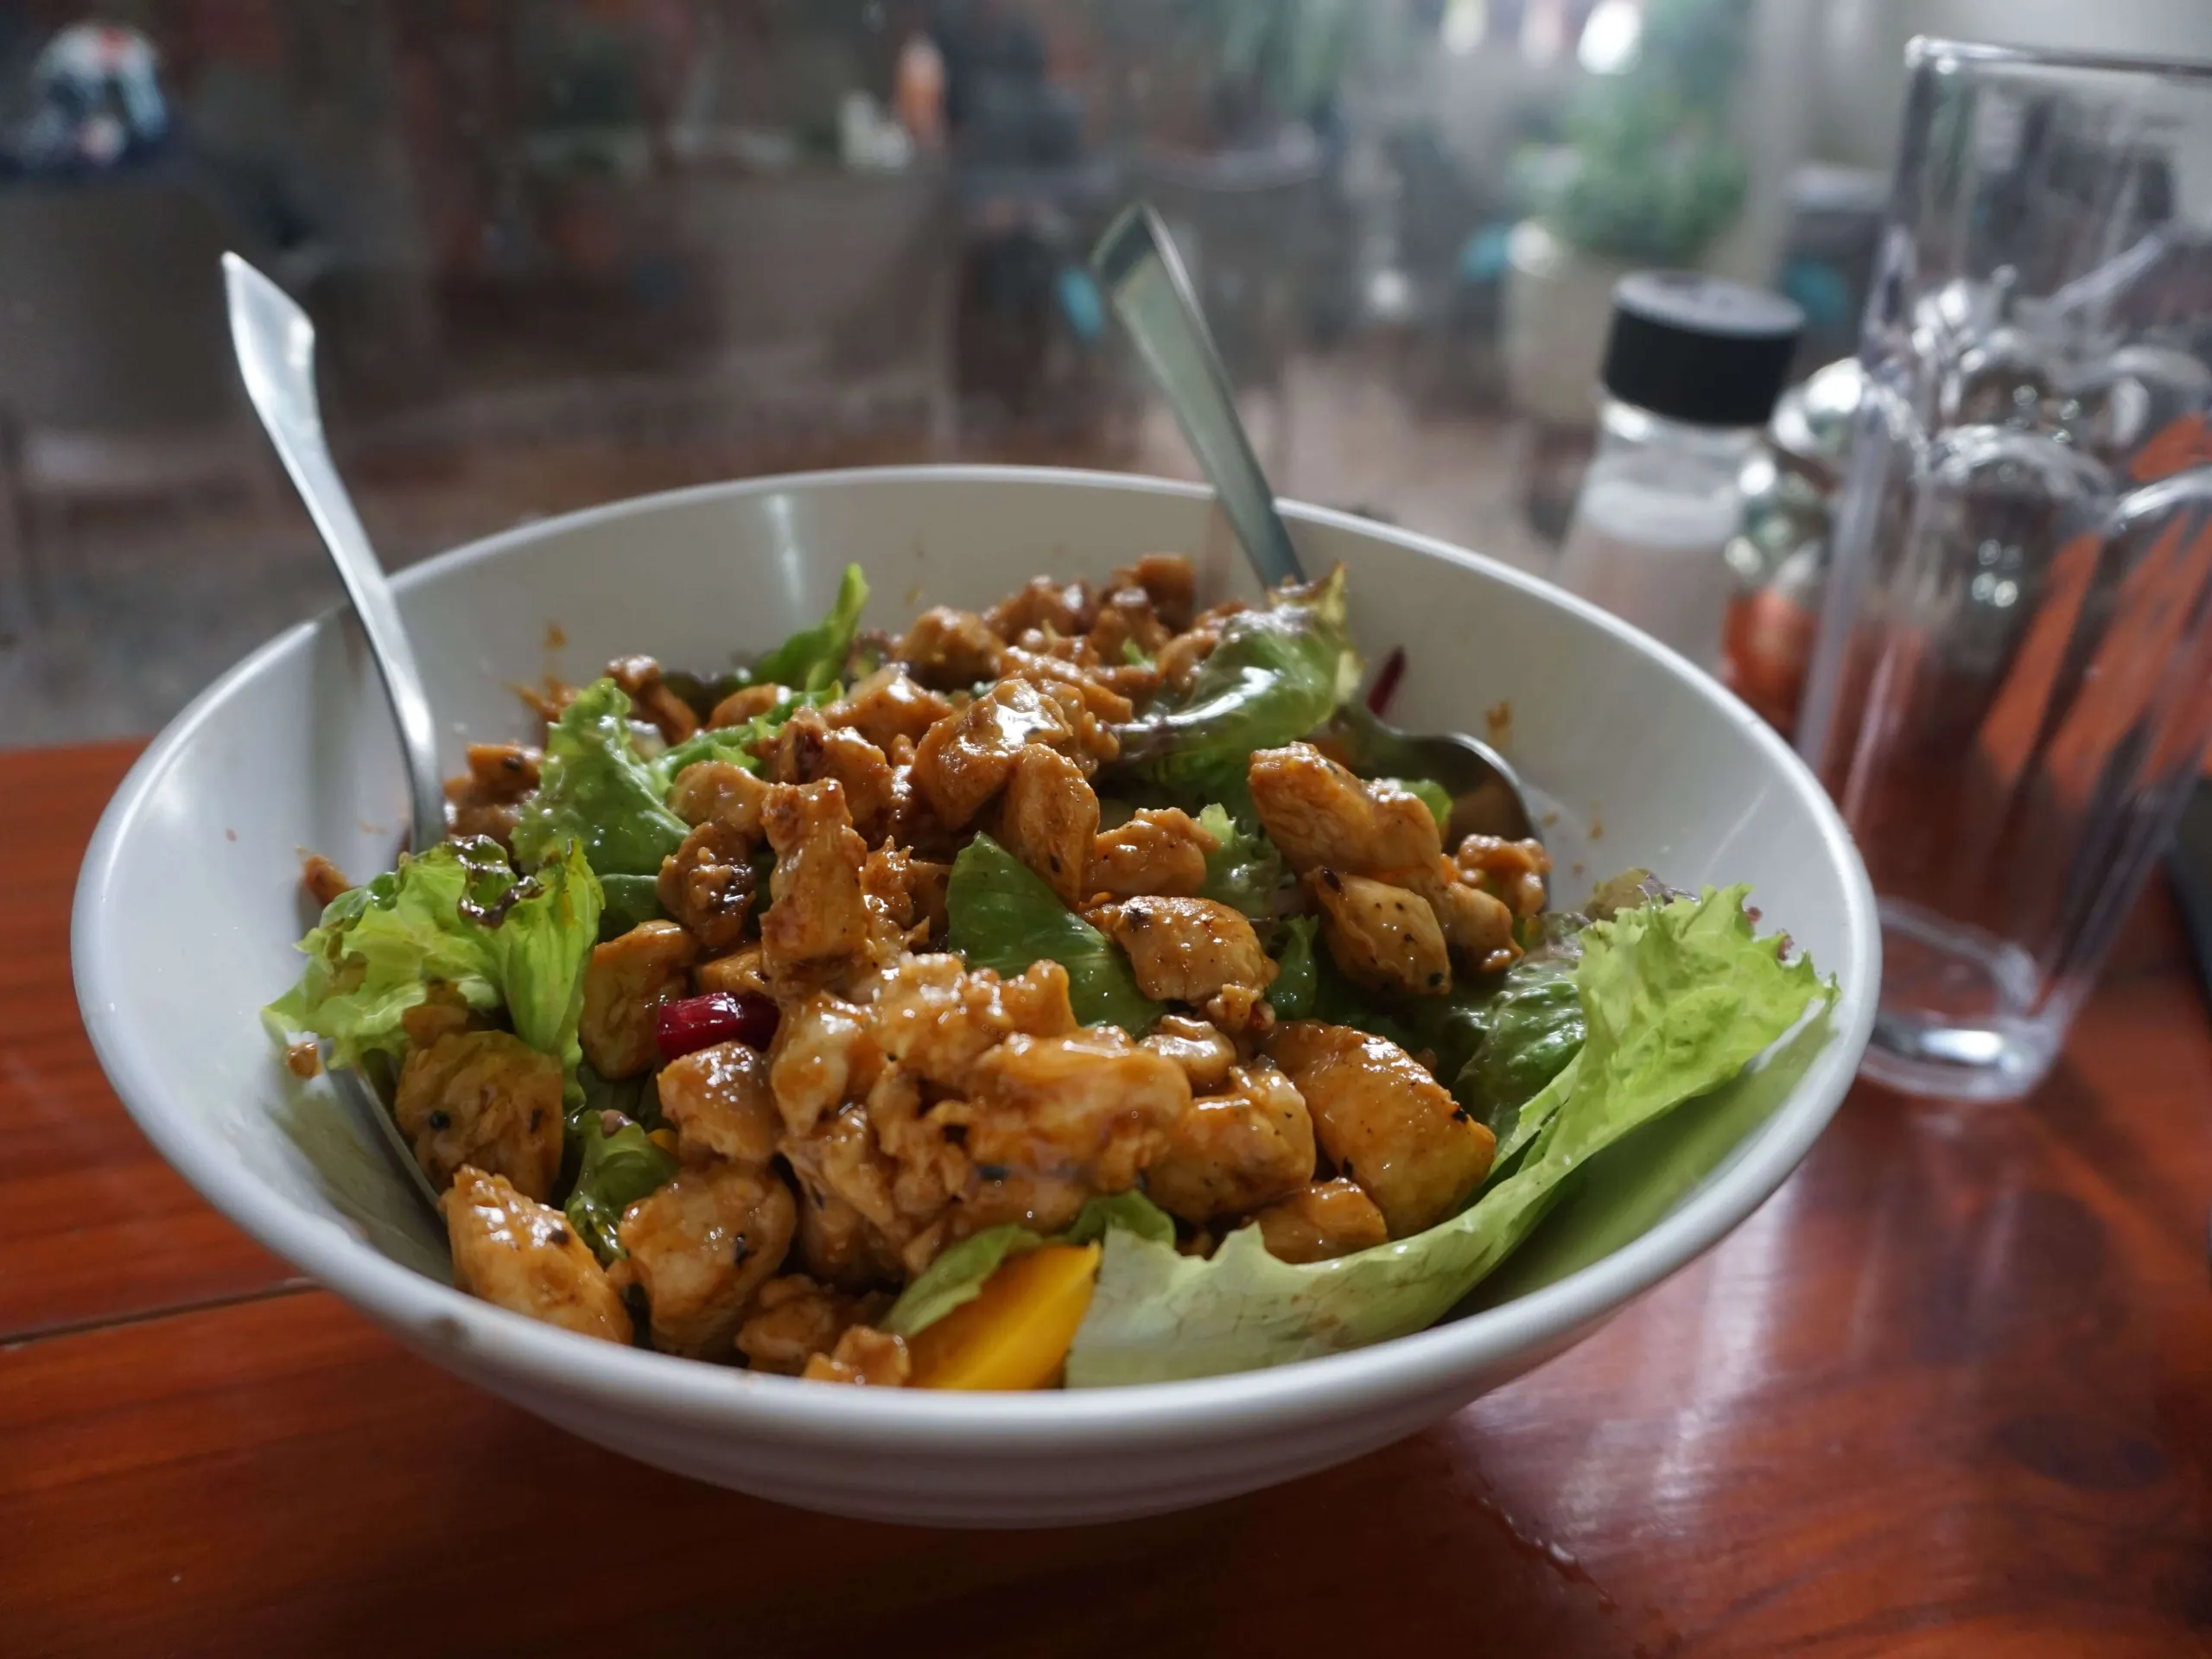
275, 344
1136, 264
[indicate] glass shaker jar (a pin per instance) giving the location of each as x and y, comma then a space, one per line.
1693, 367
1779, 559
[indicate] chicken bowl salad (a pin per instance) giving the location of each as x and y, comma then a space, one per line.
1033, 998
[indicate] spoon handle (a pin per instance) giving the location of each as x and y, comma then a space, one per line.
1135, 262
275, 343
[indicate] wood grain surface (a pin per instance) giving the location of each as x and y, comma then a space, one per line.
1950, 1391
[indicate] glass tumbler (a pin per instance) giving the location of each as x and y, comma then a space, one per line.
2011, 697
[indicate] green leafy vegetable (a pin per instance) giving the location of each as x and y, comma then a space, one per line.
1131, 1212
1292, 994
1433, 796
1244, 869
454, 916
598, 792
630, 899
617, 1170
1000, 914
1276, 674
1529, 1030
811, 659
731, 743
956, 1276
1679, 1001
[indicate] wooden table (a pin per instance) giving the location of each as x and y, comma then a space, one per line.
1950, 1391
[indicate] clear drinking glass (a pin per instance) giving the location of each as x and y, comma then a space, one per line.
2011, 696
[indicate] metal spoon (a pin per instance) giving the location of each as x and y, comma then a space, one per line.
1136, 264
275, 344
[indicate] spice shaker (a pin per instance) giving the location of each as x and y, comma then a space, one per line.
1778, 560
1693, 367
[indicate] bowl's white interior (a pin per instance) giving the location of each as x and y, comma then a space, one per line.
191, 899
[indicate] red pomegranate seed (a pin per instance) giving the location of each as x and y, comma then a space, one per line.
698, 1022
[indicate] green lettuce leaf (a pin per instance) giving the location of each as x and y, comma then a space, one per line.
1433, 796
1292, 994
1679, 1001
1530, 1029
956, 1276
456, 916
599, 792
1244, 870
1276, 674
630, 899
1000, 914
811, 659
616, 1171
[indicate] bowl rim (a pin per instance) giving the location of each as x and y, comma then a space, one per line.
427, 1312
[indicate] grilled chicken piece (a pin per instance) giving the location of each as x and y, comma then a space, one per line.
807, 749
1513, 870
1478, 928
721, 791
1062, 608
735, 975
718, 1101
649, 695
745, 704
1383, 937
1126, 629
1052, 1120
936, 1018
950, 649
910, 889
793, 1319
1385, 1123
624, 983
1081, 688
824, 1054
1321, 1221
1048, 817
887, 705
1234, 1151
700, 1247
1181, 658
486, 800
485, 1099
1320, 815
707, 884
1203, 1052
1161, 851
897, 1199
1169, 581
442, 1012
520, 1255
1185, 949
863, 1354
966, 758
817, 919
323, 880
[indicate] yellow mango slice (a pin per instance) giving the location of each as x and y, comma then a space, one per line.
1017, 1331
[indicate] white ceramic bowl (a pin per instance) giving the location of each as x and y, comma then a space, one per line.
189, 902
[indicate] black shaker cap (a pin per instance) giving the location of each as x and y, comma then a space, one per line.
1699, 350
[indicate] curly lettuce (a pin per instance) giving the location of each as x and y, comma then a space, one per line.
1679, 1000
1000, 914
456, 916
599, 792
619, 1165
1244, 870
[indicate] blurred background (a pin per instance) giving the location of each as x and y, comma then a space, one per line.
561, 251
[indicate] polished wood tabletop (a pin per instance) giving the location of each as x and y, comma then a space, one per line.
1949, 1391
